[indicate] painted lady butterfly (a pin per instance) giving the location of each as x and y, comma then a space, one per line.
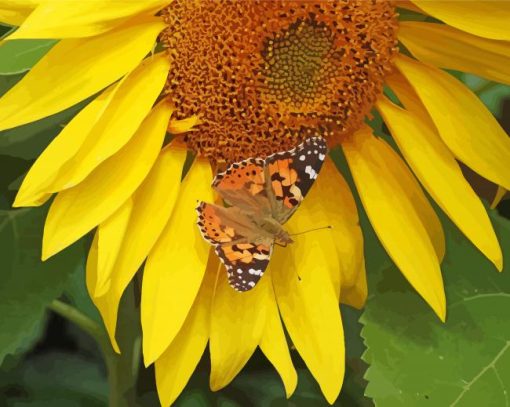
263, 195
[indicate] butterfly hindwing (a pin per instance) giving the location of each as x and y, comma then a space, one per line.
245, 263
233, 234
292, 174
262, 195
243, 185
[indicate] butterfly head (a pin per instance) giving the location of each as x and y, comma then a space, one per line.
283, 238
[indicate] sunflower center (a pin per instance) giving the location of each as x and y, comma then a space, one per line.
264, 74
299, 63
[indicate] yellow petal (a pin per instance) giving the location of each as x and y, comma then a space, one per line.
274, 345
175, 366
130, 104
338, 206
175, 266
77, 210
110, 237
150, 213
75, 69
183, 125
464, 123
407, 4
488, 19
356, 295
237, 323
59, 152
439, 173
14, 12
500, 194
312, 214
303, 278
393, 202
91, 279
449, 48
57, 19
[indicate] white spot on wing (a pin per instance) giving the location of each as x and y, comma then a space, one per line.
310, 171
322, 157
255, 272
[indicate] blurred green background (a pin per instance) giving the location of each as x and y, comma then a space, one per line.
46, 360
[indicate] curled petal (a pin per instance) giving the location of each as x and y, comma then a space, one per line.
175, 366
447, 47
75, 69
440, 174
57, 19
463, 122
77, 210
304, 275
237, 324
175, 266
142, 231
487, 19
398, 211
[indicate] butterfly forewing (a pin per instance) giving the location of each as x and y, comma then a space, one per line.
260, 192
292, 173
243, 185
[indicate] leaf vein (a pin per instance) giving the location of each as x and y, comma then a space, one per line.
491, 365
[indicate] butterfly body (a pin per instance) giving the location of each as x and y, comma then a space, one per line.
273, 229
263, 195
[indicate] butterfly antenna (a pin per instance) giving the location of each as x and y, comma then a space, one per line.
311, 230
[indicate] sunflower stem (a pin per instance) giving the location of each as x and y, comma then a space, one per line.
77, 317
122, 368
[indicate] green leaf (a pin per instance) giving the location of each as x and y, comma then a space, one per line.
415, 359
5, 29
28, 284
19, 56
264, 388
12, 170
53, 380
8, 81
492, 94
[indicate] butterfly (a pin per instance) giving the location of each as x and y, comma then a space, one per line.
262, 195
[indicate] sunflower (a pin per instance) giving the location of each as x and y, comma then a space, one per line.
225, 80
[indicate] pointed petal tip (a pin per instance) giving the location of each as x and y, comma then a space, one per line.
332, 395
115, 347
149, 357
46, 254
440, 308
18, 203
499, 264
500, 194
23, 200
290, 388
442, 317
214, 384
49, 248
